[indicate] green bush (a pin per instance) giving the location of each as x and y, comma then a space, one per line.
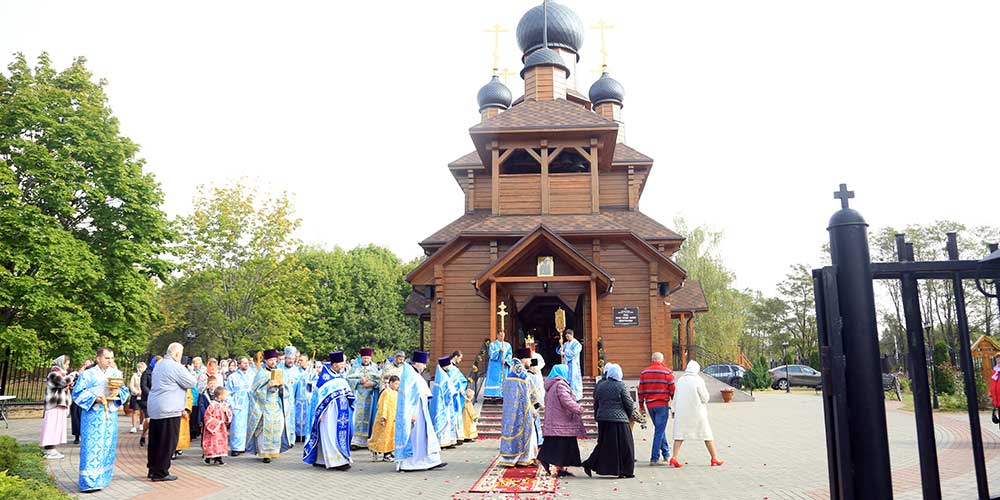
941, 353
757, 377
814, 360
947, 379
16, 488
8, 453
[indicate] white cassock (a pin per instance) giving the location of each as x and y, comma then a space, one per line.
417, 446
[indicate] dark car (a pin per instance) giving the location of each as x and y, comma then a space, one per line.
728, 374
795, 376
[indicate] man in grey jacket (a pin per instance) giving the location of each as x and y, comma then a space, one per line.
167, 400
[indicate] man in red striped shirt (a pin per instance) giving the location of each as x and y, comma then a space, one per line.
656, 389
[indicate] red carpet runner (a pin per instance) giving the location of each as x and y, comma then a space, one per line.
499, 479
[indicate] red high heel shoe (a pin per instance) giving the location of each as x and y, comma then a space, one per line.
675, 463
716, 463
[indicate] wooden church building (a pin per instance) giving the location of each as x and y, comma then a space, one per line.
551, 220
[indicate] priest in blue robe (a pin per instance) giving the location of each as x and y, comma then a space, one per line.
443, 405
364, 378
270, 431
417, 446
98, 420
462, 383
329, 442
240, 400
292, 373
570, 350
500, 355
304, 387
518, 438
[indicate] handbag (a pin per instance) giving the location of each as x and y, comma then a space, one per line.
996, 418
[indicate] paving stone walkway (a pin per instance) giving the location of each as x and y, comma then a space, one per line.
774, 449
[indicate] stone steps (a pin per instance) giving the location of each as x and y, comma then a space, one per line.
491, 415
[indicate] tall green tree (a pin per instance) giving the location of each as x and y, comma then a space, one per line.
719, 330
243, 287
360, 296
81, 230
796, 291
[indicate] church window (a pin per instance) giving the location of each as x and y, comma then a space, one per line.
520, 162
569, 161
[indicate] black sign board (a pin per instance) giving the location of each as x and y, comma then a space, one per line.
625, 316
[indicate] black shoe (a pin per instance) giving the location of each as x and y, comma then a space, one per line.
546, 467
218, 461
342, 467
232, 453
587, 471
179, 452
76, 440
164, 478
208, 461
267, 460
142, 442
438, 466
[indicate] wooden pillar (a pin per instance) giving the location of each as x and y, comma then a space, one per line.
659, 315
594, 333
682, 338
440, 302
422, 324
470, 196
493, 311
633, 188
690, 337
545, 176
595, 189
495, 153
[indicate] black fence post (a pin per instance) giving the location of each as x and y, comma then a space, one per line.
930, 479
968, 372
869, 440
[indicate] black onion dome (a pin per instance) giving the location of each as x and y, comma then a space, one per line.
494, 95
566, 30
607, 89
544, 57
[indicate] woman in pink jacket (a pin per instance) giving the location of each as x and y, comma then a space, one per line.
562, 425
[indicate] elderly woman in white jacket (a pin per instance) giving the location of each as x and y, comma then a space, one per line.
691, 414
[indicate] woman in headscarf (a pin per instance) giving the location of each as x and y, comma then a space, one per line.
57, 401
614, 454
691, 414
562, 425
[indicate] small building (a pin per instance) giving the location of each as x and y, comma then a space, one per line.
984, 349
551, 221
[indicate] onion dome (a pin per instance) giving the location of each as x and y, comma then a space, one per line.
494, 95
606, 89
565, 29
544, 57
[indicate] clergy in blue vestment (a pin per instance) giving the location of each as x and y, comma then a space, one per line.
270, 431
570, 350
417, 446
462, 384
240, 399
329, 442
443, 404
98, 420
518, 439
293, 372
500, 355
364, 378
304, 387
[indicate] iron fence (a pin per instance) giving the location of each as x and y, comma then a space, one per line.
27, 384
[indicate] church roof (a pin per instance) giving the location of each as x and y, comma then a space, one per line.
690, 298
624, 155
545, 115
417, 304
612, 221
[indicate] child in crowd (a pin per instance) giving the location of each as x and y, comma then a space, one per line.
470, 417
383, 439
215, 431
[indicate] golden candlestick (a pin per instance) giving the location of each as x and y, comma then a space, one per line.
561, 327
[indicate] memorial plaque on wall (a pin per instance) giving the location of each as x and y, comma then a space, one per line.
625, 316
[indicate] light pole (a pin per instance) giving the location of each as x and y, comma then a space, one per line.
929, 332
784, 357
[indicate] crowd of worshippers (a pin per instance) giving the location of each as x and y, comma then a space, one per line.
332, 409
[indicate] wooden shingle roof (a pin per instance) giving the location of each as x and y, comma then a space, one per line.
545, 115
690, 298
612, 221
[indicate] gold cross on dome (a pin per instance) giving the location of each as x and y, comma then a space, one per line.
503, 315
496, 30
603, 26
505, 73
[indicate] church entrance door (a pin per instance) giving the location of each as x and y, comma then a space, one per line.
537, 319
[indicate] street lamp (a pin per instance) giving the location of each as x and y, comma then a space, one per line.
784, 357
929, 333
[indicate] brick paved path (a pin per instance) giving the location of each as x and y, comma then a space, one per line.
774, 448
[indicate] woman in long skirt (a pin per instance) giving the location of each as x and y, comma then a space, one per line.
614, 454
57, 402
691, 414
562, 425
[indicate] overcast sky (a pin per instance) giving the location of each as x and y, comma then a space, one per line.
753, 110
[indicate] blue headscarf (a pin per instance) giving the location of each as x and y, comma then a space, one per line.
561, 371
613, 372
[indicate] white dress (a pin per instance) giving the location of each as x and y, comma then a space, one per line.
691, 410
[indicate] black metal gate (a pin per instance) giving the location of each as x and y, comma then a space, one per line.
856, 435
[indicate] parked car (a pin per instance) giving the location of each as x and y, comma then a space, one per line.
728, 374
796, 376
